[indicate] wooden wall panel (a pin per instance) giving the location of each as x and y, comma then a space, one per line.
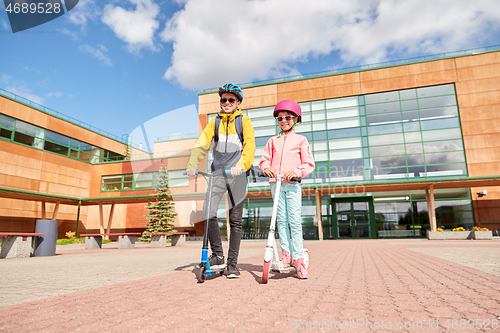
22, 112
479, 112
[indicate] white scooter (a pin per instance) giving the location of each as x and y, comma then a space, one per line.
271, 257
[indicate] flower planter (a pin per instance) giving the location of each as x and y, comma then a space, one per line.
482, 235
449, 235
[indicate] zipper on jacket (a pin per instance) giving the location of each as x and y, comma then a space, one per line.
282, 150
227, 132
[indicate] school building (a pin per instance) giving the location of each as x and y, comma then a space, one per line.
400, 148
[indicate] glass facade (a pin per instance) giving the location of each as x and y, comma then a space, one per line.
141, 181
404, 135
18, 131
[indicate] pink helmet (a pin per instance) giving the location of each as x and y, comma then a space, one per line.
290, 106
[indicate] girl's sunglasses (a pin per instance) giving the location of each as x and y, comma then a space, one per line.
230, 100
286, 118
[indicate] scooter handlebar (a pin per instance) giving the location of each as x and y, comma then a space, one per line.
228, 172
294, 179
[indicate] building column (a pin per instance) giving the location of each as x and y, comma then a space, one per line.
429, 195
318, 214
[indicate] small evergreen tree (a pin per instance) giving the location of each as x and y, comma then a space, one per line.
161, 213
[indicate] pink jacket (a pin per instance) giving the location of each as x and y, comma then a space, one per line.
290, 152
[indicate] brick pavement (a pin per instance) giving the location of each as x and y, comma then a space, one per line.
362, 286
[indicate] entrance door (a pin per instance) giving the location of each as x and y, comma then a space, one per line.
352, 217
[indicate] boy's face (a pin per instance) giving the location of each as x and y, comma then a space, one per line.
285, 124
231, 103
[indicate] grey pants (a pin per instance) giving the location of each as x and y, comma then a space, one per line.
238, 187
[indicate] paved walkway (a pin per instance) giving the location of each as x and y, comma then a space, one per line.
411, 285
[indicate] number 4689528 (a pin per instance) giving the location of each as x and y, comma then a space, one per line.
32, 8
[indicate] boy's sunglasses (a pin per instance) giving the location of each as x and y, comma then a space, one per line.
287, 118
230, 100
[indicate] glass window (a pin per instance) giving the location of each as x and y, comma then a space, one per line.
262, 140
320, 135
346, 164
452, 133
385, 129
127, 181
413, 137
384, 118
320, 145
29, 129
388, 173
446, 170
55, 148
305, 107
261, 112
414, 148
361, 100
447, 89
318, 115
407, 94
410, 116
111, 183
387, 150
450, 111
382, 97
385, 139
342, 113
440, 146
439, 158
271, 130
341, 102
318, 105
439, 123
262, 122
24, 139
343, 133
383, 108
306, 127
4, 133
345, 143
411, 127
57, 138
343, 123
417, 159
346, 154
390, 161
6, 121
433, 102
306, 117
320, 155
75, 144
409, 105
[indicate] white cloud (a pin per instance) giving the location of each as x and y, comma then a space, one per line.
56, 94
67, 32
4, 24
98, 53
5, 78
84, 11
23, 91
245, 40
135, 27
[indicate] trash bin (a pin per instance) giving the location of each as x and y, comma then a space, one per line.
46, 244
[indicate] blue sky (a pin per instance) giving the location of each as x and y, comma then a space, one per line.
116, 64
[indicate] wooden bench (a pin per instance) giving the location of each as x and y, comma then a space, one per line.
18, 244
159, 239
125, 240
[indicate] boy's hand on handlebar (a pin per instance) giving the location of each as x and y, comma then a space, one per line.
270, 173
191, 171
236, 171
290, 175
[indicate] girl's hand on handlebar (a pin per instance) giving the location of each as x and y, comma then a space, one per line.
270, 173
290, 175
191, 171
236, 171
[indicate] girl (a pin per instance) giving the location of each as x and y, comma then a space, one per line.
288, 154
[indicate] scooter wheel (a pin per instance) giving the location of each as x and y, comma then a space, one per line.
202, 273
265, 271
306, 258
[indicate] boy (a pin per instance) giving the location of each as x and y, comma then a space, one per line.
231, 152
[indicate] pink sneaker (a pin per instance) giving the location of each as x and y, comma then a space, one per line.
301, 268
286, 259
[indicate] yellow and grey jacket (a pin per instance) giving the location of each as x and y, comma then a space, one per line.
229, 151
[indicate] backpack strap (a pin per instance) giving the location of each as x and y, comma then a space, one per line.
239, 127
